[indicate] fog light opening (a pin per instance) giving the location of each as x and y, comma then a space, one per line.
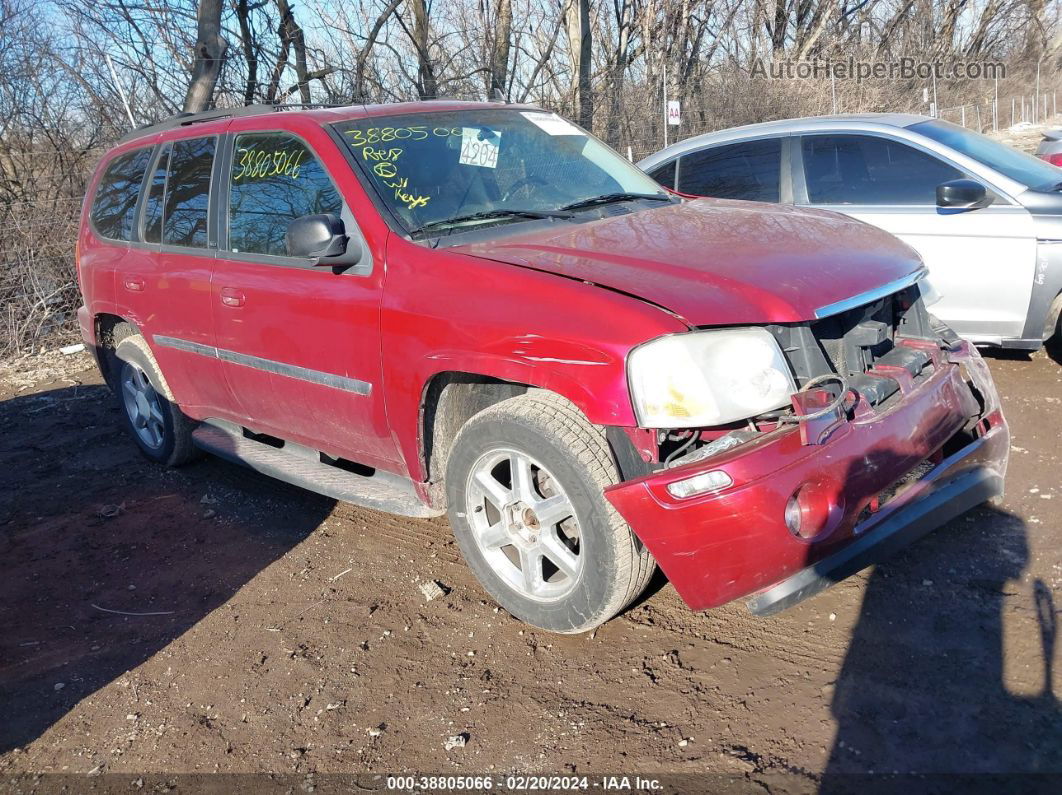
810, 511
793, 516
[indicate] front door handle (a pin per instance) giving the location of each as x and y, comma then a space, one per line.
230, 296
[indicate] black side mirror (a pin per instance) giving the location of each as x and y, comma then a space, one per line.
323, 239
962, 194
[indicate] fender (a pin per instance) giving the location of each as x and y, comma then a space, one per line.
516, 324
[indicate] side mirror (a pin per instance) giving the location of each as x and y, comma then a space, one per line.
962, 194
322, 239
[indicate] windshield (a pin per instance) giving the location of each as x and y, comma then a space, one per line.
499, 164
1026, 169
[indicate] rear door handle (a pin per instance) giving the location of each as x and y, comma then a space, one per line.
230, 296
134, 283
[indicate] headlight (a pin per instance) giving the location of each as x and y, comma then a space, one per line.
929, 294
706, 378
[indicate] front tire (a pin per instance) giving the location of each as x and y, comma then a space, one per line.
524, 484
160, 429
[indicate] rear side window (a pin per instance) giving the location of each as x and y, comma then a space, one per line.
275, 179
114, 208
184, 220
665, 174
748, 170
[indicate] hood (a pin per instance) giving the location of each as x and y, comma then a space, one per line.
717, 262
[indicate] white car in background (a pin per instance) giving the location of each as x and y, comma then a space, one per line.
986, 218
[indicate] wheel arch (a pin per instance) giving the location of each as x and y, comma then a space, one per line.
106, 325
450, 398
1051, 321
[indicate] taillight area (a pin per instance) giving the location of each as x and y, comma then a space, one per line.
1055, 158
77, 266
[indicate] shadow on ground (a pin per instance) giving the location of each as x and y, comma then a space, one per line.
1053, 349
107, 558
923, 688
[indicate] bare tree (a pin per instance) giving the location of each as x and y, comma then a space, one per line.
499, 56
210, 48
580, 44
250, 50
427, 82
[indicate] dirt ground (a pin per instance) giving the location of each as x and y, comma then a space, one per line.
209, 619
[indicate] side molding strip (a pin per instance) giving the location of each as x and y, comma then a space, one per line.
268, 365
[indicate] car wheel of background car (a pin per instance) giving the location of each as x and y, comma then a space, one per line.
161, 430
524, 484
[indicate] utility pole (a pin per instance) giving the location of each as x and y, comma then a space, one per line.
663, 90
1036, 98
995, 106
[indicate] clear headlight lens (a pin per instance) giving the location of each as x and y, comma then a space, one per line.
929, 293
706, 378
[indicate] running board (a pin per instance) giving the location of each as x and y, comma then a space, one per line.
301, 466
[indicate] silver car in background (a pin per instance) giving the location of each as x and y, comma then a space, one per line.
986, 218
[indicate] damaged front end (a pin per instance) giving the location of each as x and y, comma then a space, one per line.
894, 428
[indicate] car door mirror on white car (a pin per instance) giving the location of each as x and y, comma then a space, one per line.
962, 194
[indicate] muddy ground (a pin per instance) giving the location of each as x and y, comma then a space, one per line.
276, 630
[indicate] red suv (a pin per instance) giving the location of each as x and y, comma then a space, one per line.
483, 310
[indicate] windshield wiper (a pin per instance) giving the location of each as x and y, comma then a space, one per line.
609, 198
487, 215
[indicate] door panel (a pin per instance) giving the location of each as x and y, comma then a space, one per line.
299, 345
981, 261
165, 289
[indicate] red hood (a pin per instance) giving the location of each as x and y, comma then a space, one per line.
716, 262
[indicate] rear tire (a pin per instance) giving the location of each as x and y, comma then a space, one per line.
524, 484
158, 426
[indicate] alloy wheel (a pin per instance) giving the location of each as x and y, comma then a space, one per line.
143, 406
524, 524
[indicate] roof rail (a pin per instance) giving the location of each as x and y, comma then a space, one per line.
185, 119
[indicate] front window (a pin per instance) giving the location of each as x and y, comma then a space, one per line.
1020, 167
498, 164
869, 170
275, 179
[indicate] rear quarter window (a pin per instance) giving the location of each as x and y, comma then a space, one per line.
114, 206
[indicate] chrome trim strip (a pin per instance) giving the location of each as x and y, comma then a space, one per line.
186, 345
354, 385
870, 295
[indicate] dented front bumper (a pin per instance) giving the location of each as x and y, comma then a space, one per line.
734, 542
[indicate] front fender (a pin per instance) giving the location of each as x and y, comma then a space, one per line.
468, 315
